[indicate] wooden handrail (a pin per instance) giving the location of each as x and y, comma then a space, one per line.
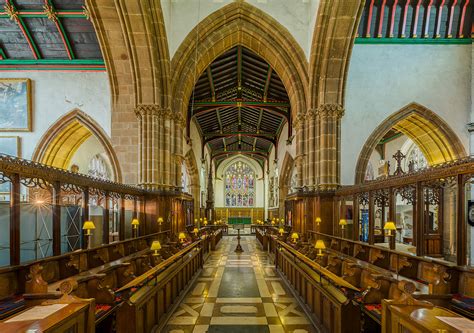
152, 272
80, 251
386, 249
330, 275
438, 171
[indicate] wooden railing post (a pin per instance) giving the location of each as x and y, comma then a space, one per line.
418, 220
371, 218
105, 220
56, 210
392, 216
355, 218
85, 215
122, 219
461, 237
15, 220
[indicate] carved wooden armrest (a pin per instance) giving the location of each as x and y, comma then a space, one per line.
375, 254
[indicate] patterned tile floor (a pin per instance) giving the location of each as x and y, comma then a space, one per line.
239, 293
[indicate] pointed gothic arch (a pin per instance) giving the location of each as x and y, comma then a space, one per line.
239, 23
66, 135
435, 138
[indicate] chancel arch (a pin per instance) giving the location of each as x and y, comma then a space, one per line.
77, 134
239, 24
431, 134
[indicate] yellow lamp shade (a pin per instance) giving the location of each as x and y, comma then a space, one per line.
273, 222
281, 231
135, 223
295, 236
342, 223
195, 220
205, 222
282, 221
182, 236
88, 226
155, 246
195, 231
160, 220
318, 220
320, 244
390, 226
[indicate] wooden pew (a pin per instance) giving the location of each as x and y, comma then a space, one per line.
150, 298
74, 315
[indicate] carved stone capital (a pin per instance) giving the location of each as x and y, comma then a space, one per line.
330, 110
179, 119
147, 110
311, 113
299, 121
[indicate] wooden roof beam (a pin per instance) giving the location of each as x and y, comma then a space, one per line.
267, 83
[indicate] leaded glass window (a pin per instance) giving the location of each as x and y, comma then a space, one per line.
240, 185
416, 157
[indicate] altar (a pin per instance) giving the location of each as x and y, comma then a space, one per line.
239, 220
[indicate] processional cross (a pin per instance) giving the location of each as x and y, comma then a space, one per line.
399, 156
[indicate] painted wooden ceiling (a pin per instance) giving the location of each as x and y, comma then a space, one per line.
240, 106
47, 34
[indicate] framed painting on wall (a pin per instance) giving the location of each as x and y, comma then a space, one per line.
15, 105
9, 145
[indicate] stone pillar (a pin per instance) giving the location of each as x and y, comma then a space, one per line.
210, 197
148, 159
156, 150
311, 149
167, 149
329, 148
300, 145
179, 124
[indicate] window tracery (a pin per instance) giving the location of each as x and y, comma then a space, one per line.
240, 185
98, 168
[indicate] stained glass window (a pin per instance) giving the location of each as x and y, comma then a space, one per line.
240, 185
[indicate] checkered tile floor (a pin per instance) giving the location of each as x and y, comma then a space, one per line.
239, 293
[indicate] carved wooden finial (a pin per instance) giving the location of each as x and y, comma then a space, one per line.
35, 283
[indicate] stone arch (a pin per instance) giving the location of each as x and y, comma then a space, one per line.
222, 168
333, 38
134, 46
65, 136
438, 142
239, 23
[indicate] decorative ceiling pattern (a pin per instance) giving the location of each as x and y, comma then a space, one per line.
240, 106
47, 34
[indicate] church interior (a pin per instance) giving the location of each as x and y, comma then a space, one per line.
270, 166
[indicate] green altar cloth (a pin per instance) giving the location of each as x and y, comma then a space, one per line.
239, 220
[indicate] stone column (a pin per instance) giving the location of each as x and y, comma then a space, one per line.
166, 149
329, 148
148, 159
210, 197
179, 124
311, 148
300, 145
